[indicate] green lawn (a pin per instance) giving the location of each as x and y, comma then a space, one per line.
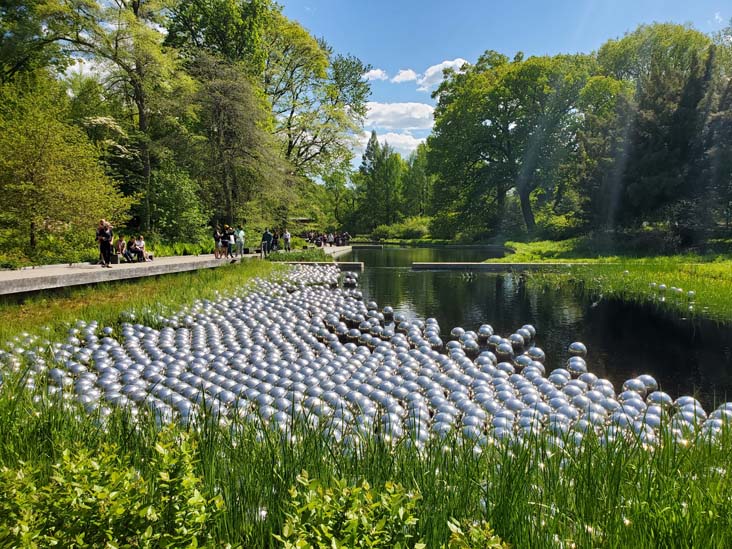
629, 276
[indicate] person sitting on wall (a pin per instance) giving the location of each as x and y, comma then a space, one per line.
120, 247
142, 254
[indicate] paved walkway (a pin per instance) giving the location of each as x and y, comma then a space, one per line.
33, 279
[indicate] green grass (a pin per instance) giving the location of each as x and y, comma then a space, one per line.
50, 312
628, 276
312, 254
594, 250
534, 495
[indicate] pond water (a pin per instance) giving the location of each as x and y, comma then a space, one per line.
623, 340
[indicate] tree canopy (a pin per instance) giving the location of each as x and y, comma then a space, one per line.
172, 116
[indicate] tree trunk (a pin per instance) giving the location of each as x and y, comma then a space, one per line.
526, 211
143, 126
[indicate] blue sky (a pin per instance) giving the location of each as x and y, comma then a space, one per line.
420, 37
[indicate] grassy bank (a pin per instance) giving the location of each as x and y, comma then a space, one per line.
630, 276
312, 254
232, 484
51, 311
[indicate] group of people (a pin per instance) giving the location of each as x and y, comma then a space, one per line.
271, 241
132, 250
228, 241
329, 239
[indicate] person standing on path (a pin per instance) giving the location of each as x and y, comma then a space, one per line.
240, 235
266, 242
104, 237
286, 236
229, 240
217, 241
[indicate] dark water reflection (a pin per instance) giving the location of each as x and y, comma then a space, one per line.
623, 340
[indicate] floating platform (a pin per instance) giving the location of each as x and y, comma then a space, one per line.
337, 251
367, 246
492, 267
356, 266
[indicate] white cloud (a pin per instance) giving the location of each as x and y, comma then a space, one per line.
400, 116
433, 75
376, 74
403, 143
405, 75
718, 18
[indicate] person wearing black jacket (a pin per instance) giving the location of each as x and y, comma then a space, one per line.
217, 236
104, 238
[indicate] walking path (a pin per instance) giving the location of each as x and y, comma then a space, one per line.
47, 277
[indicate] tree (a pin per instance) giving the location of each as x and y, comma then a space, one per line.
178, 214
318, 98
50, 179
669, 66
126, 37
232, 30
504, 125
32, 33
379, 186
417, 183
341, 196
605, 105
239, 164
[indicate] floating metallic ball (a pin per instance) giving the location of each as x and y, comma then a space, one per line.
578, 349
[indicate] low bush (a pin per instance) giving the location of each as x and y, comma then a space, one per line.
473, 535
350, 516
410, 228
97, 499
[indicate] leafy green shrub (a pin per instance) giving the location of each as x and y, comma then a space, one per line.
315, 254
410, 228
349, 516
444, 225
381, 232
558, 227
96, 499
177, 212
473, 535
162, 249
12, 261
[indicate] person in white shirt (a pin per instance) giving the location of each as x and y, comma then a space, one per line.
286, 236
142, 254
240, 240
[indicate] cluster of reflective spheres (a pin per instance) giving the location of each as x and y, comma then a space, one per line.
303, 349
